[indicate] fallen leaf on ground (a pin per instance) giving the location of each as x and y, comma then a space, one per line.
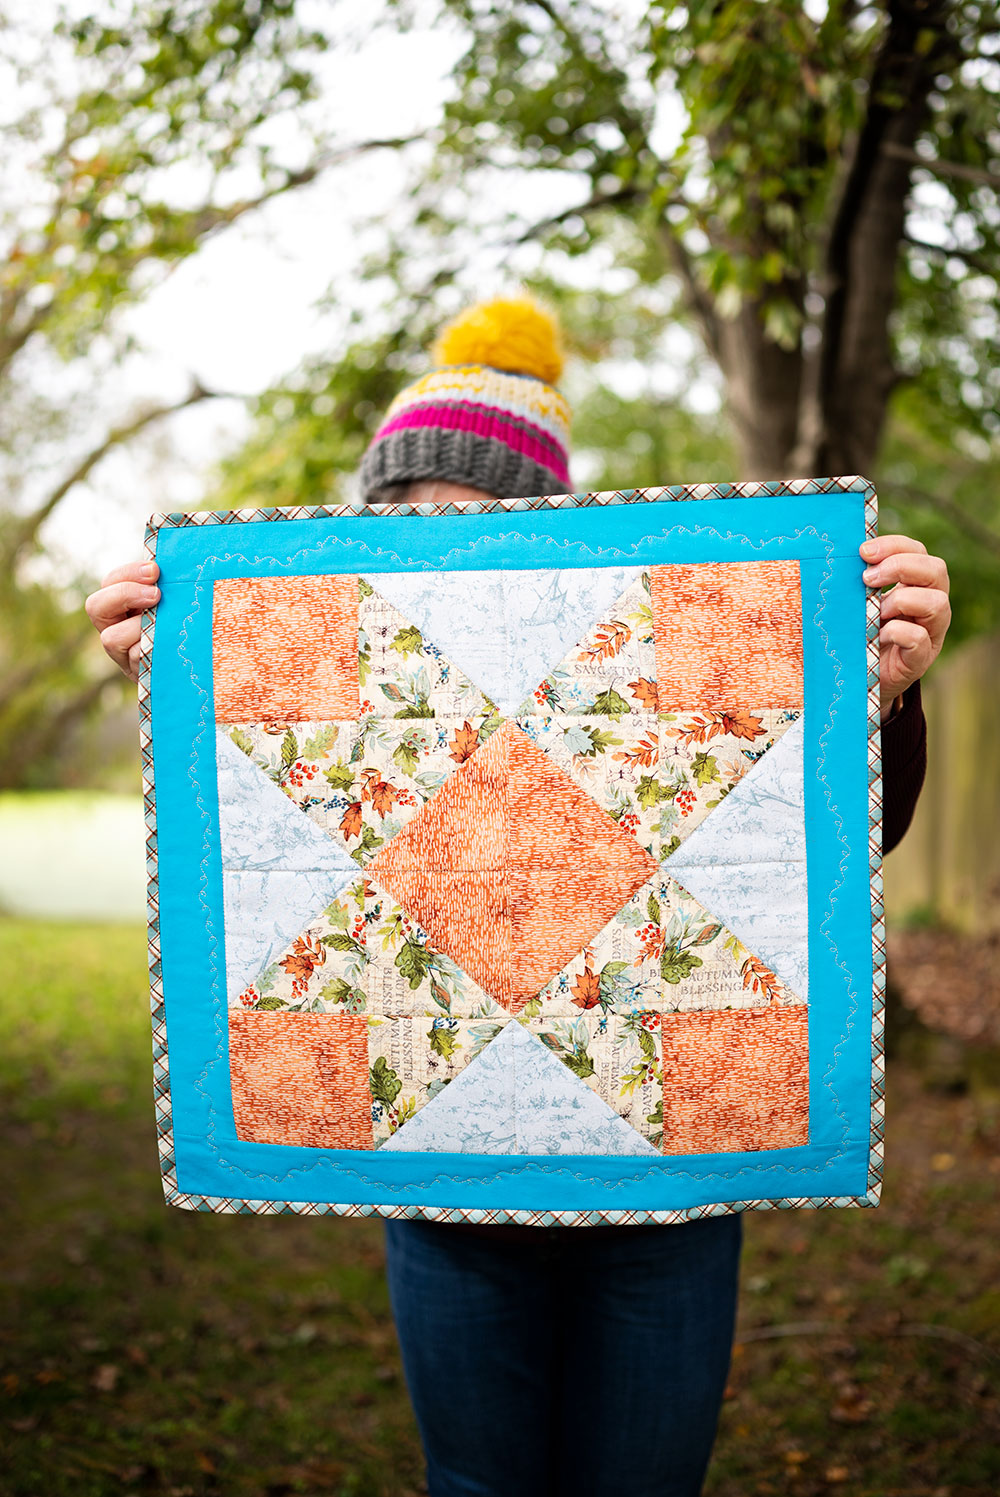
106, 1377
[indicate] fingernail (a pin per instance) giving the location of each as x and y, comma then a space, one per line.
870, 574
148, 569
867, 549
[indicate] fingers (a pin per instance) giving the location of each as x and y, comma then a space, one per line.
905, 635
134, 658
912, 567
133, 571
116, 600
880, 546
926, 606
121, 642
905, 652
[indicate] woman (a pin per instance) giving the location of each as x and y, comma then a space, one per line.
560, 1359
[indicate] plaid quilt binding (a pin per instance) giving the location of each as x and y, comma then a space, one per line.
174, 1196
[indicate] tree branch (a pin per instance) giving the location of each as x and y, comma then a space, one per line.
952, 252
193, 227
43, 736
698, 299
578, 210
36, 668
940, 168
983, 535
26, 533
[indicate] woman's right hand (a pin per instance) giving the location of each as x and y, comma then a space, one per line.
116, 609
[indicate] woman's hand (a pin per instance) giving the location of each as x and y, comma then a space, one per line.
915, 611
116, 609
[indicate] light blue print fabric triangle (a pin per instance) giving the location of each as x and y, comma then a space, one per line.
261, 828
517, 1098
265, 910
505, 630
746, 863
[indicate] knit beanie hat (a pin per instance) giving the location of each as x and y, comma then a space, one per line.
488, 416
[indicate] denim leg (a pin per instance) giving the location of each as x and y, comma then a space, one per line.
568, 1363
649, 1318
476, 1340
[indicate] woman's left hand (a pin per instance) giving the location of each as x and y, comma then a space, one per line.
915, 611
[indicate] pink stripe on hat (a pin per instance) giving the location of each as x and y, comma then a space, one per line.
490, 423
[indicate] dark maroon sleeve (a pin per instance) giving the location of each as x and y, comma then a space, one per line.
904, 760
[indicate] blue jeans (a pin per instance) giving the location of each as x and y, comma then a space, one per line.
568, 1361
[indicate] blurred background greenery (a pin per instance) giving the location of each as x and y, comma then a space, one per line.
227, 233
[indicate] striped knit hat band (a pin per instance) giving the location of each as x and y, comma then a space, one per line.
480, 420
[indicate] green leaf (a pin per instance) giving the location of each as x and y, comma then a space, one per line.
603, 740
316, 746
370, 840
579, 1062
407, 641
649, 792
419, 708
406, 756
365, 589
339, 941
340, 775
414, 962
335, 991
271, 1003
705, 769
653, 909
384, 1083
338, 915
289, 749
243, 741
676, 965
444, 1042
610, 704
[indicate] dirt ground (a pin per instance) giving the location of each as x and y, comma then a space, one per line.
151, 1351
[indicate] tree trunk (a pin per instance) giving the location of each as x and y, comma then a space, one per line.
856, 370
822, 413
762, 391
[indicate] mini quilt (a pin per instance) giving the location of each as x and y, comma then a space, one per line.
519, 863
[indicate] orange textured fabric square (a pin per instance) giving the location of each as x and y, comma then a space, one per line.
301, 1079
511, 868
728, 634
735, 1080
286, 648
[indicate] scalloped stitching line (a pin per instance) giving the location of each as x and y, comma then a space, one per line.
379, 1183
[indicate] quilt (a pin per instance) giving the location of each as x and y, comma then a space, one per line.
517, 864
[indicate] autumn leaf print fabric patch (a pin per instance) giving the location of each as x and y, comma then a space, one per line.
507, 863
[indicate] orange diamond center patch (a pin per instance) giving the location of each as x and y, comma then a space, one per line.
511, 868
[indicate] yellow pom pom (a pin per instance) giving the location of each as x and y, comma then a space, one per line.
514, 335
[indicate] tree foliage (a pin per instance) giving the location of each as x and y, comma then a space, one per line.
819, 210
793, 207
144, 131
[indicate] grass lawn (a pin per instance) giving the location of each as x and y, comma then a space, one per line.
145, 1350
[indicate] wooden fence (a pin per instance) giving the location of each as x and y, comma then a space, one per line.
947, 869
